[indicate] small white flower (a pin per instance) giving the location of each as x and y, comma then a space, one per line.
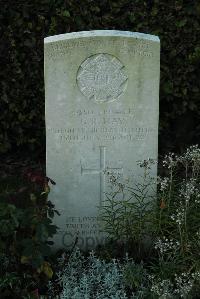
164, 183
183, 283
170, 161
162, 288
165, 245
179, 216
147, 163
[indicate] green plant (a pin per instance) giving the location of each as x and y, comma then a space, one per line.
26, 228
177, 223
126, 212
172, 223
91, 277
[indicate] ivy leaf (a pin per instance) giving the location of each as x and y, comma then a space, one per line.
168, 87
37, 261
25, 259
46, 269
66, 13
181, 23
41, 232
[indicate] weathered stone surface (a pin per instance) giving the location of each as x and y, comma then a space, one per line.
101, 78
102, 95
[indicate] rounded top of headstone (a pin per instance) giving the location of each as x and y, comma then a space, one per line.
102, 33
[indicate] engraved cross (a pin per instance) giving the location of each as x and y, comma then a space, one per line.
101, 171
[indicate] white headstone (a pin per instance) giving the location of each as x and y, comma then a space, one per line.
102, 108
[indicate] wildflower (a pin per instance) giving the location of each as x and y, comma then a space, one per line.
179, 216
170, 161
162, 288
192, 154
198, 234
184, 284
165, 245
146, 163
164, 184
188, 189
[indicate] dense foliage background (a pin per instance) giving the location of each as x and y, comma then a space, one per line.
23, 26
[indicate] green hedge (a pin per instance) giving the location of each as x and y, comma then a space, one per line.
24, 24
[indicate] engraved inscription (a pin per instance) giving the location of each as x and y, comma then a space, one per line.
133, 48
101, 78
101, 171
83, 230
102, 134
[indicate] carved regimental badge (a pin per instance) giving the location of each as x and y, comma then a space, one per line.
101, 78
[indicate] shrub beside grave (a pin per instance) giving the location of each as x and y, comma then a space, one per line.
24, 26
168, 268
171, 222
26, 226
